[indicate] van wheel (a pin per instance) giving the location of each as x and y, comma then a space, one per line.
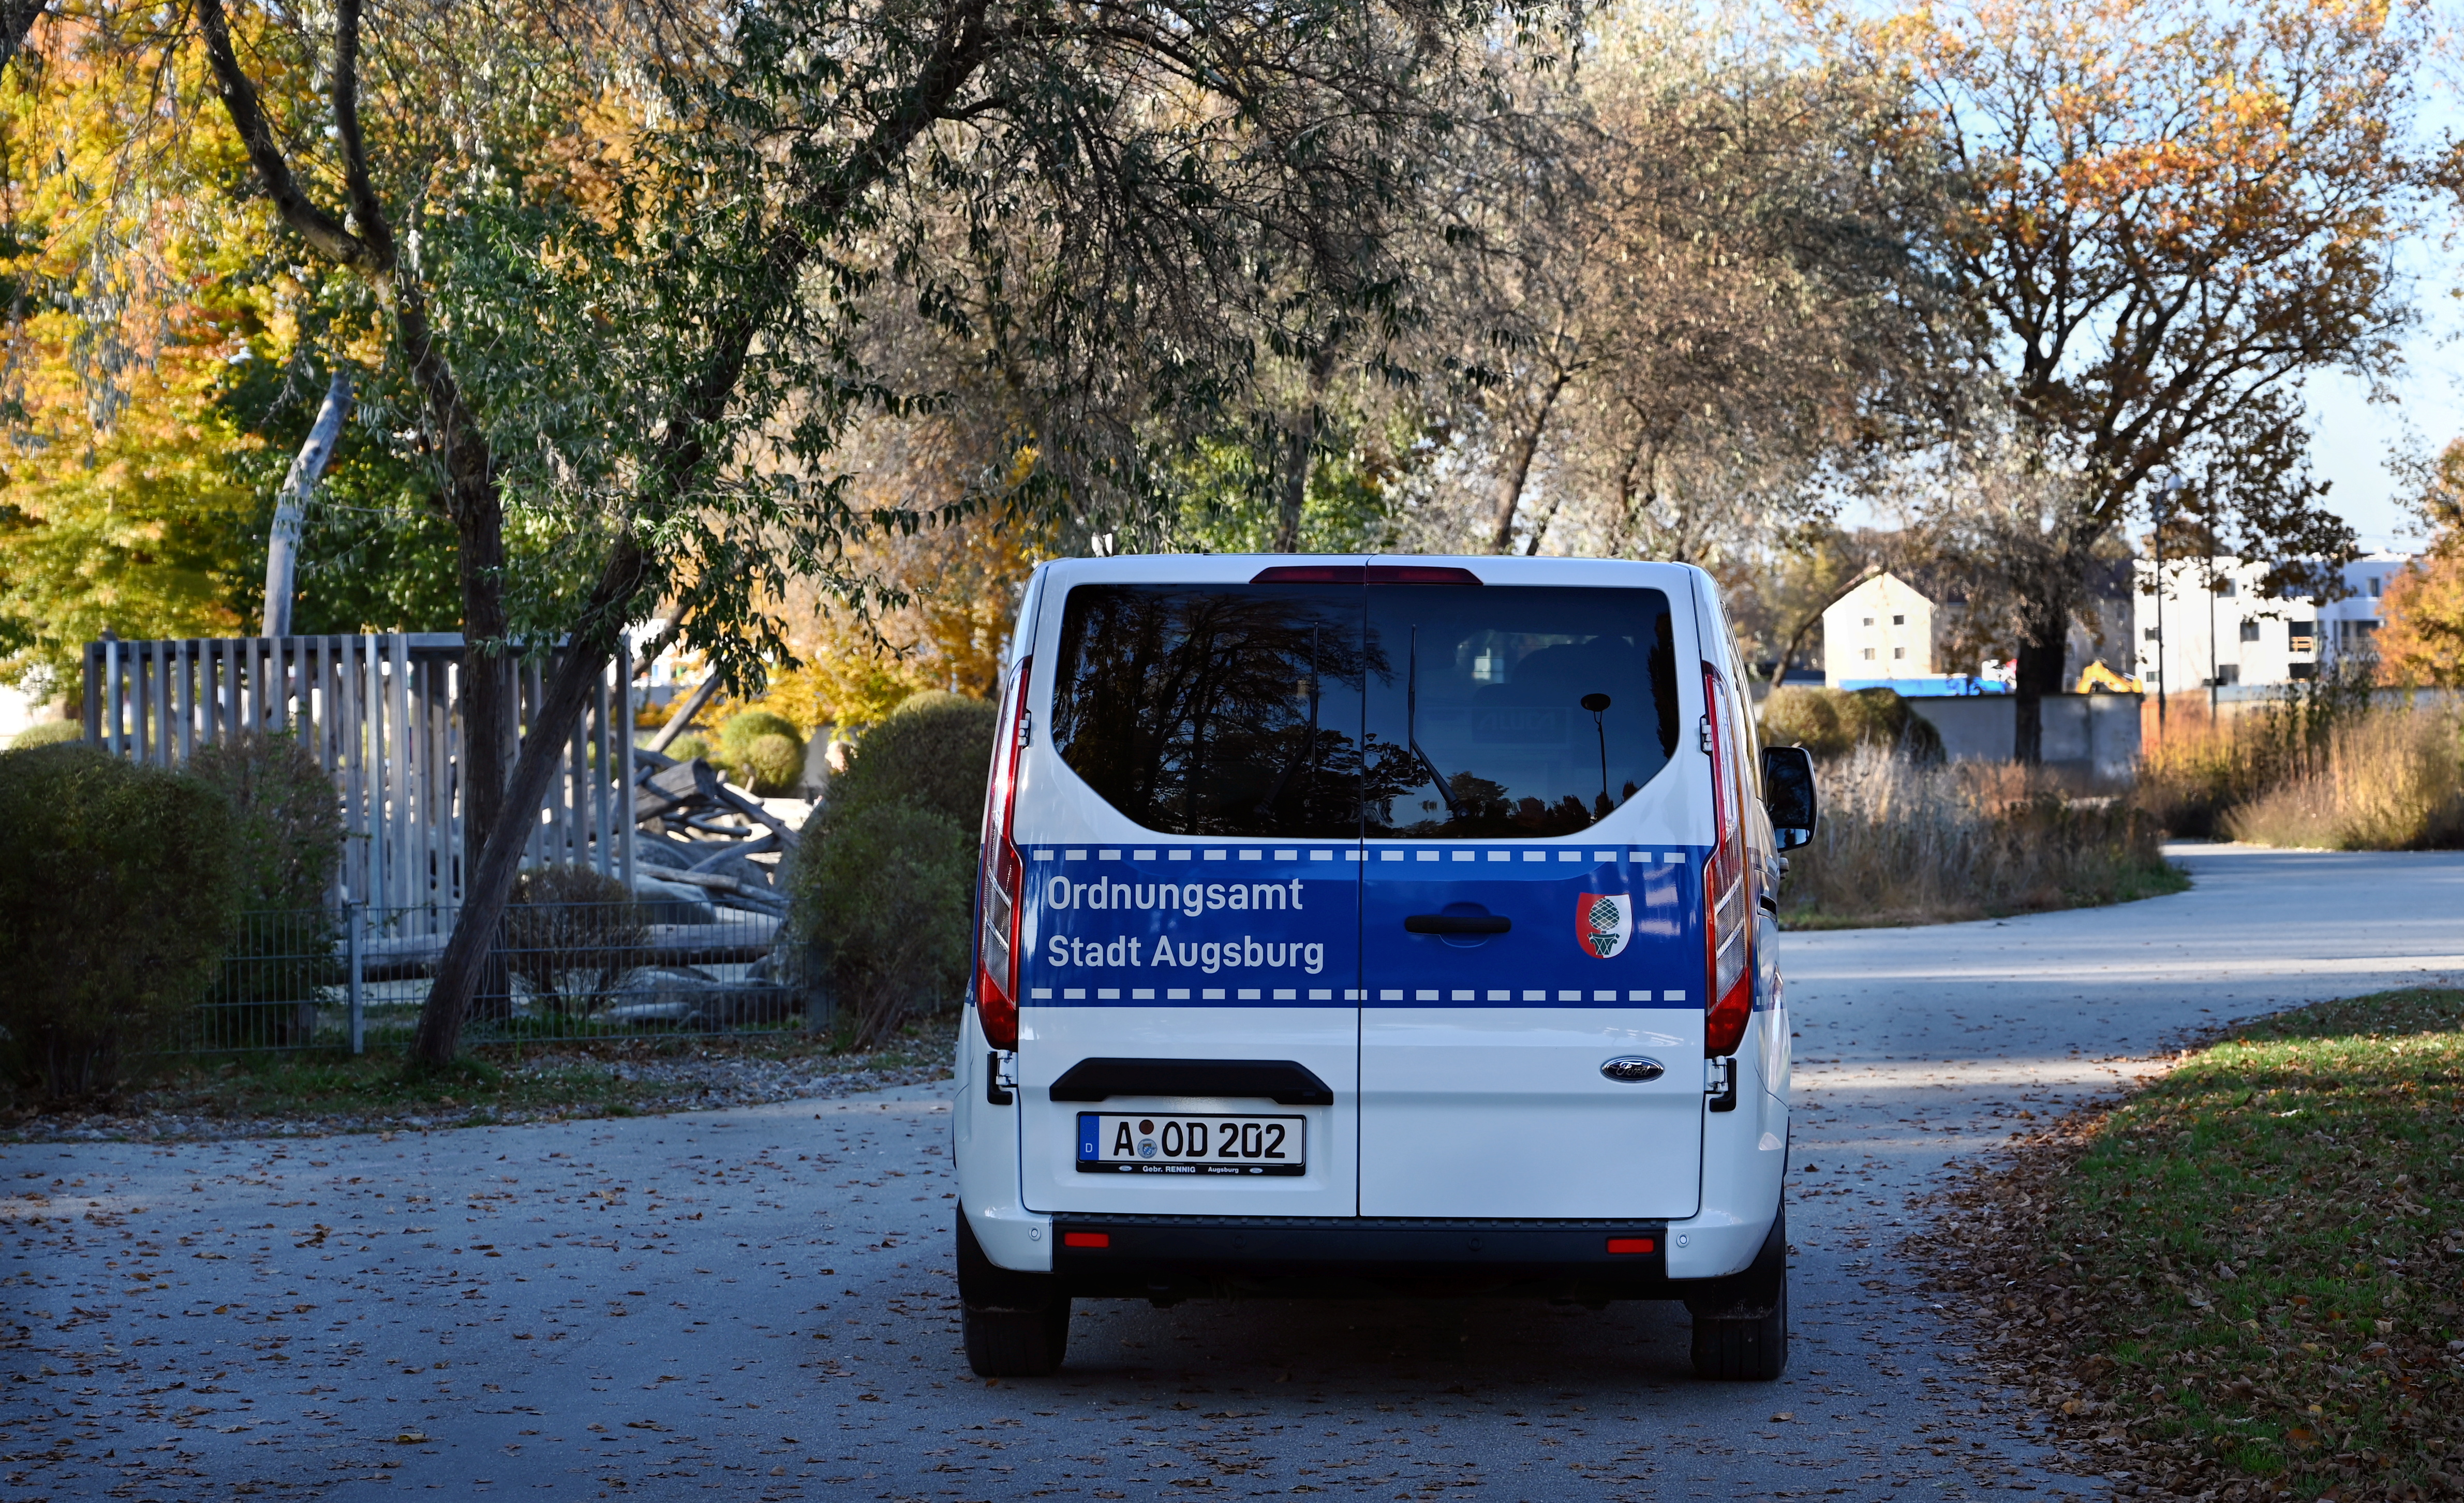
1741, 1321
1016, 1325
1017, 1343
1744, 1348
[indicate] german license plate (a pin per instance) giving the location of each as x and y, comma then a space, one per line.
1149, 1142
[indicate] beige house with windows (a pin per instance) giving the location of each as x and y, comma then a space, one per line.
1882, 628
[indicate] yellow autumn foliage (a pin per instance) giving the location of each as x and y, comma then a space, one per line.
120, 506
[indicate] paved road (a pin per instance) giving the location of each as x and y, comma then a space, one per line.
756, 1304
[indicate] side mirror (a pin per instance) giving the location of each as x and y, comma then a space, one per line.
1787, 794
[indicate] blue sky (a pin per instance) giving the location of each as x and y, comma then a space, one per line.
2353, 438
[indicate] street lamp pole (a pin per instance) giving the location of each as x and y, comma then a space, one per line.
2170, 491
2211, 629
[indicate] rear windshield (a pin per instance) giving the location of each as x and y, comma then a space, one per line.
1506, 710
1214, 710
1318, 711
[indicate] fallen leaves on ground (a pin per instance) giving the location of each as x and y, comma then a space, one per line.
2241, 1282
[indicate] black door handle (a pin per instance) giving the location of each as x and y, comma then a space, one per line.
1458, 923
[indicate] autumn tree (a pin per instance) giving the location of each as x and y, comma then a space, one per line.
2421, 644
1697, 272
2175, 214
622, 260
121, 504
161, 363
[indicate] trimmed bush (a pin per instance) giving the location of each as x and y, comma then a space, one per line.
287, 843
746, 726
115, 902
934, 751
574, 934
881, 892
770, 775
287, 818
772, 764
48, 733
1833, 722
688, 747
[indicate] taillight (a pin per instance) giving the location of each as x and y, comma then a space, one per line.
1728, 991
999, 874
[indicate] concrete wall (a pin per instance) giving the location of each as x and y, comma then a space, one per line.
2097, 734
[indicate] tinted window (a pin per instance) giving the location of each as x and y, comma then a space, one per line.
1214, 710
1503, 710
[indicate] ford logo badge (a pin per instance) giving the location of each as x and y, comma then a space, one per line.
1633, 1066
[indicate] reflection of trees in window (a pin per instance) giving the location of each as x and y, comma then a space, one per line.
1232, 711
1405, 803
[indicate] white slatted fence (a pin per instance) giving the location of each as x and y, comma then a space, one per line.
382, 714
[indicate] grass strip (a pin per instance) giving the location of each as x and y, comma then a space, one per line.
517, 1082
2241, 1282
2119, 882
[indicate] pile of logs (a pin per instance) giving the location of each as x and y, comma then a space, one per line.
695, 828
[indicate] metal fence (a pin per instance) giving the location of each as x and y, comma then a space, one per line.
383, 715
357, 978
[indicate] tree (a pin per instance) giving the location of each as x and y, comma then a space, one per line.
117, 505
638, 320
162, 360
2175, 213
1696, 276
2422, 642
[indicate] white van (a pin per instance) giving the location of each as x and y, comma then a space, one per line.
1376, 926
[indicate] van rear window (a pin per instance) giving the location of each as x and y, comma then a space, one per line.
1506, 710
1332, 711
1214, 710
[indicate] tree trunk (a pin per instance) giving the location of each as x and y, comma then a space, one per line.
470, 957
291, 502
2038, 671
1518, 468
487, 708
1291, 485
1291, 481
1643, 458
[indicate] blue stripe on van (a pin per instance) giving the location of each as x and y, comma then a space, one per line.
1232, 925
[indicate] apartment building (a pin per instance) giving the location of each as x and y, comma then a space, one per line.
2204, 623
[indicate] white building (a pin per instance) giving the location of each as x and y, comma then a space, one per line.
1882, 628
2348, 627
17, 711
2209, 626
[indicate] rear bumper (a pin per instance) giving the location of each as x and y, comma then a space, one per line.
1174, 1257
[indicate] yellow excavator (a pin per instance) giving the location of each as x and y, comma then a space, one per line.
2097, 678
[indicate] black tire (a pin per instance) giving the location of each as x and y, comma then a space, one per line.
1744, 1348
1741, 1321
1017, 1343
1016, 1325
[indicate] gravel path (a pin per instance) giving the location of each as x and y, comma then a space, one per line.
757, 1303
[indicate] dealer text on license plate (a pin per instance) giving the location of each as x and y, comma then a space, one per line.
1152, 1142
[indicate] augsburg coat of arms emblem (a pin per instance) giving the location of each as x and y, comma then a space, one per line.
1603, 921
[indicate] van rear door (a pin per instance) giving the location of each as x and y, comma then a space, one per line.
1189, 817
1532, 1032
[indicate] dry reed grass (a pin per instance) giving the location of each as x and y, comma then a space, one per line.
2332, 765
1903, 843
2201, 768
2390, 779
